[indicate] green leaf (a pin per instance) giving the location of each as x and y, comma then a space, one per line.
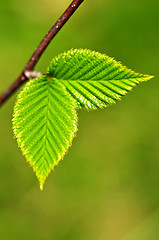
44, 123
45, 119
94, 80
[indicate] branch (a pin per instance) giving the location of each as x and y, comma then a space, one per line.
39, 51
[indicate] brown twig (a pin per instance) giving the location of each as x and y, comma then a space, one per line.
39, 51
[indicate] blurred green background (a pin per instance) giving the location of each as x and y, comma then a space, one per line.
107, 187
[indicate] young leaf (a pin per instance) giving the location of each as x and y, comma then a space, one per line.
45, 118
94, 80
44, 124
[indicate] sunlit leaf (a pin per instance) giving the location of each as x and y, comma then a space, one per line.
44, 124
93, 79
45, 118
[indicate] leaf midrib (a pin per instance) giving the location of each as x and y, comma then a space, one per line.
46, 131
94, 80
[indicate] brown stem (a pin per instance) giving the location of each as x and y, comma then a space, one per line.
40, 49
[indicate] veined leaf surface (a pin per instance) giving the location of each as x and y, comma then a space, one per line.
93, 79
44, 124
45, 118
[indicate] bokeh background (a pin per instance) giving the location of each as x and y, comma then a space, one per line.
107, 187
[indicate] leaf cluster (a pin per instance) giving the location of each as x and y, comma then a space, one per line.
45, 114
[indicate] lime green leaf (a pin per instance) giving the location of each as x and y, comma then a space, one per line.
45, 118
44, 124
94, 80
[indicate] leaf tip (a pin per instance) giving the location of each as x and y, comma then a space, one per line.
148, 77
41, 180
41, 187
